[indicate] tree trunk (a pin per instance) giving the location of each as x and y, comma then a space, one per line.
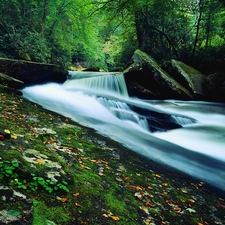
197, 31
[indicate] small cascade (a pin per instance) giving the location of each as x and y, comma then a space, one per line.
109, 83
182, 120
122, 111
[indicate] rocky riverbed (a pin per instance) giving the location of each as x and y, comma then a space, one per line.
54, 171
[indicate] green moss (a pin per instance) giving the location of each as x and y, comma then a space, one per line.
42, 213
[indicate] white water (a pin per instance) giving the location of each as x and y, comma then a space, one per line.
101, 101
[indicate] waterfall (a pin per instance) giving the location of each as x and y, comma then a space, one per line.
189, 136
111, 83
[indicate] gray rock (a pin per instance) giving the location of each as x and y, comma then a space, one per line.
189, 77
23, 216
148, 74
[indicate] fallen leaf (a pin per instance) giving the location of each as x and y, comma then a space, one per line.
14, 137
169, 201
190, 201
40, 161
176, 209
119, 179
221, 206
65, 199
58, 198
184, 191
139, 195
7, 131
93, 160
76, 194
164, 193
190, 210
145, 209
157, 175
134, 187
150, 204
77, 204
115, 218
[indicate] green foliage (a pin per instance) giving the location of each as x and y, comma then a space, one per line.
9, 175
7, 169
104, 34
47, 184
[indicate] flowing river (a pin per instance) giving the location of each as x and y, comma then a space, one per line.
100, 100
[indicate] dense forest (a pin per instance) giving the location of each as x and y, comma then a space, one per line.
105, 33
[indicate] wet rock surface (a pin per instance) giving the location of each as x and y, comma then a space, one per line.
19, 209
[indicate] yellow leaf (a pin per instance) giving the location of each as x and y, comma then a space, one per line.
7, 131
14, 137
40, 161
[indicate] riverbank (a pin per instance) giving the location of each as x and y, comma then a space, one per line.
75, 176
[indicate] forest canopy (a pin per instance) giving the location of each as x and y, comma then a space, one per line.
105, 33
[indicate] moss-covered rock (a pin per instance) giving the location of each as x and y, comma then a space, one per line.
189, 77
153, 78
11, 82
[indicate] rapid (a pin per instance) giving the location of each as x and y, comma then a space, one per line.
195, 146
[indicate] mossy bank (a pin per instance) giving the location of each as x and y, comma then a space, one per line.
72, 175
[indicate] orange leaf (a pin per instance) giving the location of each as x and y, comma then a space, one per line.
149, 204
77, 204
116, 218
65, 199
76, 194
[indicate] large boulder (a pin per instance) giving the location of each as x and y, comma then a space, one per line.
188, 77
32, 72
150, 76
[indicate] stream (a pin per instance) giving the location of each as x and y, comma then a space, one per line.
186, 135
